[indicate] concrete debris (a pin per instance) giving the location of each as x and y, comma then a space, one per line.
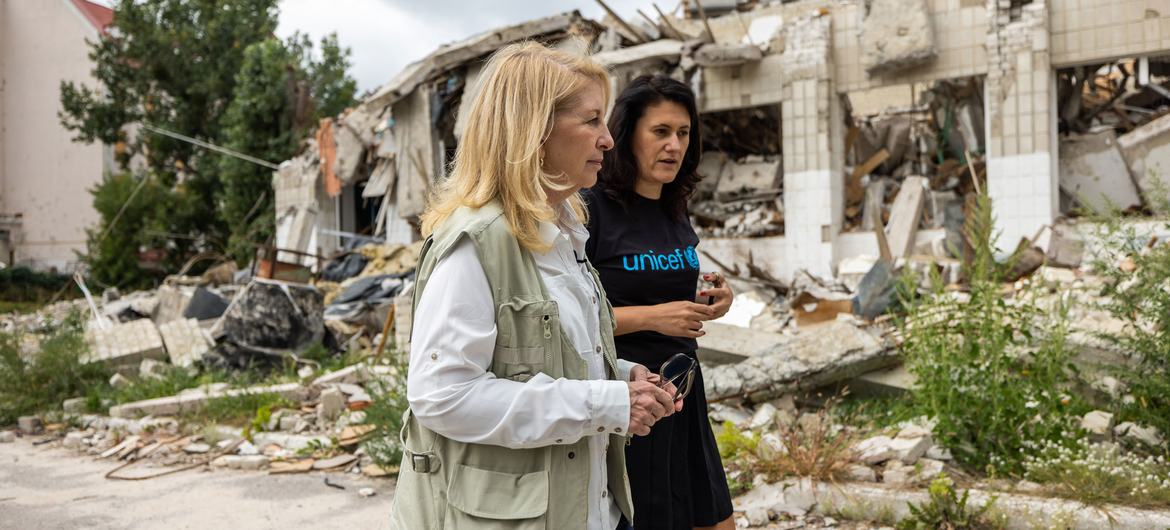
335, 462
1146, 435
859, 473
1094, 173
126, 343
271, 316
1097, 422
7, 437
197, 399
896, 34
185, 340
1066, 247
119, 381
1147, 152
833, 352
74, 405
29, 424
332, 404
717, 55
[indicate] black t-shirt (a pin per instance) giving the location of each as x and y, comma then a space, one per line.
645, 256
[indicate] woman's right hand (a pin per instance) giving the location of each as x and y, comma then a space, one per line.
648, 404
681, 319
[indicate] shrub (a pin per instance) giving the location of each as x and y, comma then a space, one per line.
388, 402
46, 378
983, 375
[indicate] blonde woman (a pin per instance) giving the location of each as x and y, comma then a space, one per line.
519, 409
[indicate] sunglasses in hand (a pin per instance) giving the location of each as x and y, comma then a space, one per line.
679, 370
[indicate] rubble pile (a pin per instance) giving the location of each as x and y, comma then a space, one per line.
1113, 120
322, 432
934, 145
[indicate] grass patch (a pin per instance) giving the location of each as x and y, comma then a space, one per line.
1101, 473
8, 306
874, 413
240, 410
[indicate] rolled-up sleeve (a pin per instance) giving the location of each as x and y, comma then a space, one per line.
451, 391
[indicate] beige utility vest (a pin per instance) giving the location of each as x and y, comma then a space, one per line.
445, 484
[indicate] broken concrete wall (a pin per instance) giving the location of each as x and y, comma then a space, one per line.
896, 35
185, 341
126, 343
416, 151
960, 38
1093, 172
1147, 152
1099, 30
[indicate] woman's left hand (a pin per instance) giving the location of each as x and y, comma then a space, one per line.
721, 291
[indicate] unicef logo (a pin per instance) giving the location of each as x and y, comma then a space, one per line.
675, 260
692, 257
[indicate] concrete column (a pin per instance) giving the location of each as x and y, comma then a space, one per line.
1020, 101
809, 125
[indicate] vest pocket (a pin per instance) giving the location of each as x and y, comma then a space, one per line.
480, 498
518, 364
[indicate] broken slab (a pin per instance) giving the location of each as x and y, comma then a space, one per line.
753, 173
724, 343
1093, 171
896, 35
276, 316
127, 343
660, 50
1066, 247
172, 302
715, 55
1147, 151
195, 399
829, 353
889, 382
185, 341
905, 215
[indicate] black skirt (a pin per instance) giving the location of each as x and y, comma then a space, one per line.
676, 475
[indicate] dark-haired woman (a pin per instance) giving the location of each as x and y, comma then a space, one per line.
643, 246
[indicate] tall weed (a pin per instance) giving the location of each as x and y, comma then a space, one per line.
985, 374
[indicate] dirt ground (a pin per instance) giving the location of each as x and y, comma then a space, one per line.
52, 488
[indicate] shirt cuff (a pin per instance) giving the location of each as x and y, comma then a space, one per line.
624, 369
609, 406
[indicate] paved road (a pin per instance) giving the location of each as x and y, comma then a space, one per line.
51, 488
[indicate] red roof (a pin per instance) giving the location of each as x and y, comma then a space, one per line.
98, 15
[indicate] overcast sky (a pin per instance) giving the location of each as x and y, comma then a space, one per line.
386, 35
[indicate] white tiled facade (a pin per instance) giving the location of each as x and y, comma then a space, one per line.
1017, 55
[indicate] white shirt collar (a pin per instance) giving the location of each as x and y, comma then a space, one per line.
567, 225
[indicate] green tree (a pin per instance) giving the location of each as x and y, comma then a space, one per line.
281, 91
176, 65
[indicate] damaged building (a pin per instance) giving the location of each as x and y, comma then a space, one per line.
823, 121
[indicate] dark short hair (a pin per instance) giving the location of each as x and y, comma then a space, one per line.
619, 172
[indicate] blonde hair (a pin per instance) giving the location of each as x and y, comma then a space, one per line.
522, 88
